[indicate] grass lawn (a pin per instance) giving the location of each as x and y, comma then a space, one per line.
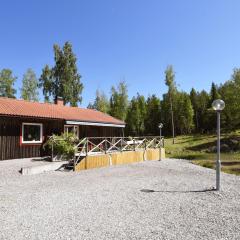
196, 149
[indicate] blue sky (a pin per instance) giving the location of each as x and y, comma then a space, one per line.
131, 40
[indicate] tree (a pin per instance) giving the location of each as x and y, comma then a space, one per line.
230, 94
7, 81
184, 113
153, 115
142, 110
203, 111
90, 106
170, 82
136, 116
46, 82
194, 101
214, 94
119, 101
62, 80
101, 102
132, 118
29, 90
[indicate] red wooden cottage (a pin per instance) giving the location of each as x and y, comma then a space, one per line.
24, 125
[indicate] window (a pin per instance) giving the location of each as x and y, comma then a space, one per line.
71, 129
31, 133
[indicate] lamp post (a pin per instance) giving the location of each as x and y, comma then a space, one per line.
160, 125
218, 105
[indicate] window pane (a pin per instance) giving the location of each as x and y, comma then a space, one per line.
71, 129
32, 133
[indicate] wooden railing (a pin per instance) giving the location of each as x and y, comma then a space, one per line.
103, 145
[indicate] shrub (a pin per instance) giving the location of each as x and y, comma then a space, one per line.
63, 145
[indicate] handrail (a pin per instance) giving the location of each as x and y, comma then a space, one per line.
96, 145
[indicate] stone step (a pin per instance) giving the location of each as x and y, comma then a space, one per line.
52, 166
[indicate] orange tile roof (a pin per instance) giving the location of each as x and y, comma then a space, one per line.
22, 108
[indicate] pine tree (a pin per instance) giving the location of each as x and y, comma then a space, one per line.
29, 90
214, 94
7, 81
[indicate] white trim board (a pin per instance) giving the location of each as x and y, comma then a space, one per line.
95, 124
33, 124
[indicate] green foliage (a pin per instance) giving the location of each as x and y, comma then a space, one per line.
62, 80
230, 93
63, 145
136, 116
184, 113
7, 81
153, 115
193, 147
214, 94
202, 112
180, 112
194, 101
46, 82
29, 90
170, 80
172, 89
119, 101
101, 102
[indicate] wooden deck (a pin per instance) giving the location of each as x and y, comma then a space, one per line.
116, 158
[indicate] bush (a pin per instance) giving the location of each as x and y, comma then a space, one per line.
63, 145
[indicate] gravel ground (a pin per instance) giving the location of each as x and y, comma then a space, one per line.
149, 200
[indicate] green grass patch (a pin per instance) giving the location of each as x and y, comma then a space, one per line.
197, 149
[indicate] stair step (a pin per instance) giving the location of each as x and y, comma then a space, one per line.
69, 167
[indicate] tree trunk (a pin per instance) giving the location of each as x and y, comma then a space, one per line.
173, 133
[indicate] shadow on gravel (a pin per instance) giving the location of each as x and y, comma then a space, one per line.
173, 191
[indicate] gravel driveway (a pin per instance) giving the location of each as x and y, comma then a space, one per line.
148, 200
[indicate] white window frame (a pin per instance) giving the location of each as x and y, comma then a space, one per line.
74, 126
41, 133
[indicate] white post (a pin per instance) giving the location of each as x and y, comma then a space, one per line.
218, 161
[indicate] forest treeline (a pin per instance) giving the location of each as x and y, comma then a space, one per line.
180, 112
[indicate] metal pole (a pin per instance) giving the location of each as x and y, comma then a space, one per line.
218, 161
160, 144
160, 137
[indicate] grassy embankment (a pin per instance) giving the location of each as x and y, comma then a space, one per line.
200, 149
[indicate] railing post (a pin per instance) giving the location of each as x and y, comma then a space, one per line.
52, 151
86, 149
86, 146
121, 142
105, 145
134, 144
74, 162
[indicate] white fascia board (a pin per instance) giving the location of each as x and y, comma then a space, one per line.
95, 124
